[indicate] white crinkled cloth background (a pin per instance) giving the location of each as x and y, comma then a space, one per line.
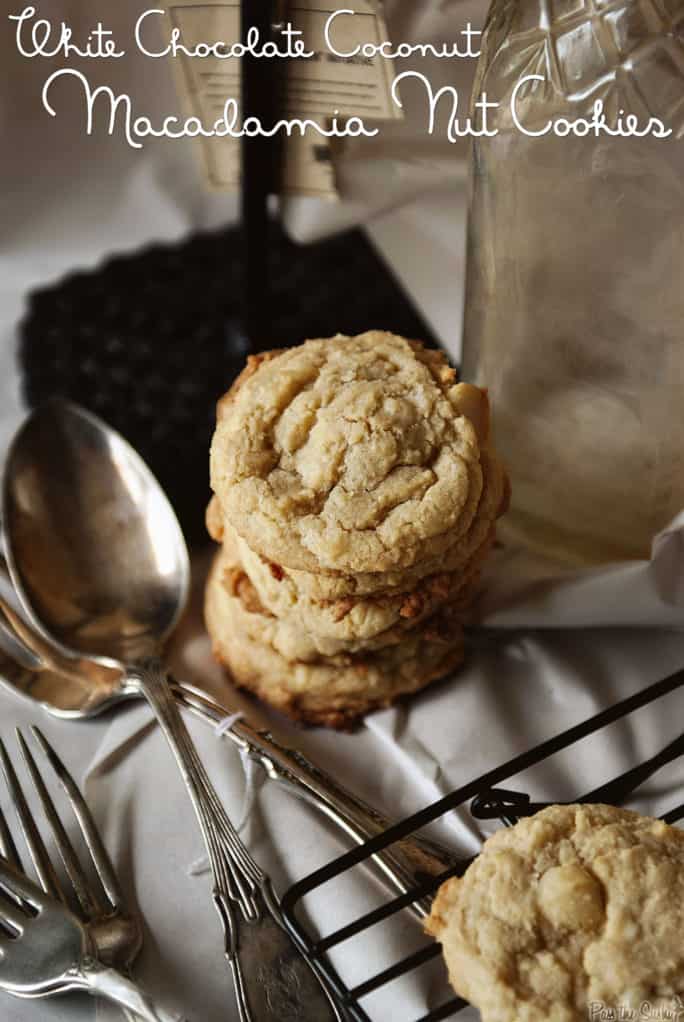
559, 646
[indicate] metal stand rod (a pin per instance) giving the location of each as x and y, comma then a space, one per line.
258, 101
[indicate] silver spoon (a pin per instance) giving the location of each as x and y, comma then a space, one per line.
100, 565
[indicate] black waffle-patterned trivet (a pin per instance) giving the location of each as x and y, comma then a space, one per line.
149, 341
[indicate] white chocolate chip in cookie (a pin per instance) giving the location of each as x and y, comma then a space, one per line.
571, 898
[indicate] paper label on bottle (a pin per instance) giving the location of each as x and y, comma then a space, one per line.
316, 88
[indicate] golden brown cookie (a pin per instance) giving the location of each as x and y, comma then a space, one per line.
334, 691
380, 619
578, 906
332, 588
350, 455
309, 628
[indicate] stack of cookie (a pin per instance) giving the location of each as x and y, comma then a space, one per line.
355, 498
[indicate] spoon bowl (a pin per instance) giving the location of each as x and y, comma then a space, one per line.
93, 546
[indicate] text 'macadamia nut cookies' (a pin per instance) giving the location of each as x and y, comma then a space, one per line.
356, 493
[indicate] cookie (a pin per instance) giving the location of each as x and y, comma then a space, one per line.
350, 455
295, 640
333, 691
346, 624
577, 909
286, 587
339, 586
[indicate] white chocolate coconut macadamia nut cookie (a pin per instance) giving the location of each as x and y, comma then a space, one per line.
577, 906
333, 691
296, 643
348, 455
347, 623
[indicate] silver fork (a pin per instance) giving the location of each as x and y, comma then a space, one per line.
47, 948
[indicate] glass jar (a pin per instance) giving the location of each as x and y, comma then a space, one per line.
574, 312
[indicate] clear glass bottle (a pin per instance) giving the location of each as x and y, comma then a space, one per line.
575, 282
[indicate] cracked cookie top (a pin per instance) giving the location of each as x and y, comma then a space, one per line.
353, 454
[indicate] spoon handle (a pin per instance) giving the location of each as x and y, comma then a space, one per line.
404, 864
241, 889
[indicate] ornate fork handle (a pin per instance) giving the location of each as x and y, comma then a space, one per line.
236, 875
242, 892
117, 987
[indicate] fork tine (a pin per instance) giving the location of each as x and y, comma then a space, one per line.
98, 852
86, 898
39, 856
8, 849
19, 886
12, 918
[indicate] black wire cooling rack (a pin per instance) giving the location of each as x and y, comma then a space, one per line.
487, 801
